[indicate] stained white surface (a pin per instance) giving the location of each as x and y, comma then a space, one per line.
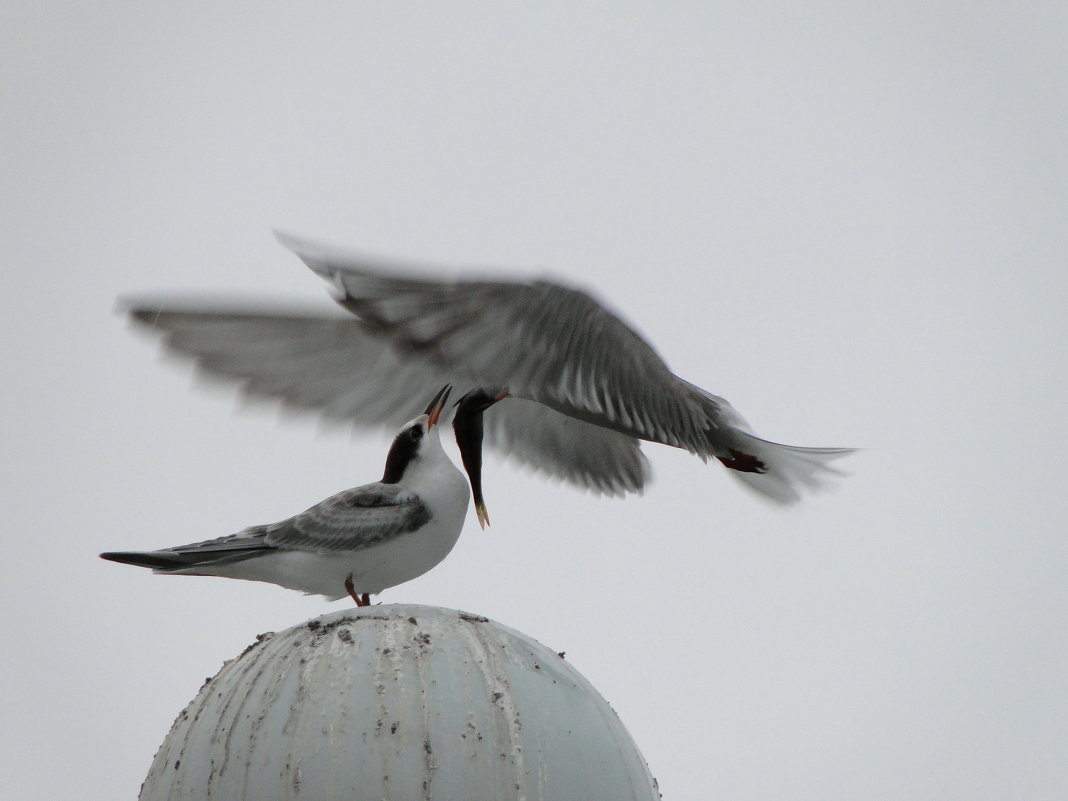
398, 702
847, 219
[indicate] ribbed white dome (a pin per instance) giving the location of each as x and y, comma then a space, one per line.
398, 702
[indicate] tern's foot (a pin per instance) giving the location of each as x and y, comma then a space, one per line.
361, 599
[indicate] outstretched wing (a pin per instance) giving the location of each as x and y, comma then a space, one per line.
337, 367
599, 459
546, 342
592, 386
330, 365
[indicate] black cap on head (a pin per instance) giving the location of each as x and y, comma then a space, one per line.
407, 443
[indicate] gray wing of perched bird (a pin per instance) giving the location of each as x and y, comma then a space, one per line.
584, 386
349, 521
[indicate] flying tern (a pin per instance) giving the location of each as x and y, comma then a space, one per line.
585, 387
363, 540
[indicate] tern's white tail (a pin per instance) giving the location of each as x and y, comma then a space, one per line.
787, 468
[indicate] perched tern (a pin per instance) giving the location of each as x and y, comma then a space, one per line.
363, 540
585, 387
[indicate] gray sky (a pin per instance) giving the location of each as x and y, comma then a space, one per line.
847, 219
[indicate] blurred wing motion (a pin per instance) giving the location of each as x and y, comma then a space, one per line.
340, 369
584, 387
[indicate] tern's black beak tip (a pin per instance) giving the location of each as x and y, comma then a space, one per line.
434, 409
481, 398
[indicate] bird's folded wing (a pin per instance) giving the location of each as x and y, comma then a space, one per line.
220, 550
352, 520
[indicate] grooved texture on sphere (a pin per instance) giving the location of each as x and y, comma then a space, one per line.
398, 702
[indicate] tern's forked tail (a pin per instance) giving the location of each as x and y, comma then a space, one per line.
780, 472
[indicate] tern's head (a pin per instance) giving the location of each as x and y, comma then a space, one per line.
467, 424
412, 440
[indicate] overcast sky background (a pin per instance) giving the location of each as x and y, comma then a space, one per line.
848, 219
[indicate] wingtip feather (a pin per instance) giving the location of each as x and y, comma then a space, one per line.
148, 559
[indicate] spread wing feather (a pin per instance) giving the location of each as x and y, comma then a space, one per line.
585, 386
546, 342
339, 368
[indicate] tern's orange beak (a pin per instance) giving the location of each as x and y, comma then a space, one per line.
433, 411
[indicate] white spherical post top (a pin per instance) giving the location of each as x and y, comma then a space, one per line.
398, 702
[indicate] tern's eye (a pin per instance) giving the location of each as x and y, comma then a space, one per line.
415, 433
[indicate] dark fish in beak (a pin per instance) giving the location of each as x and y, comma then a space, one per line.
467, 424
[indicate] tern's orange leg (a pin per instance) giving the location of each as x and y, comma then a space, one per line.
362, 599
